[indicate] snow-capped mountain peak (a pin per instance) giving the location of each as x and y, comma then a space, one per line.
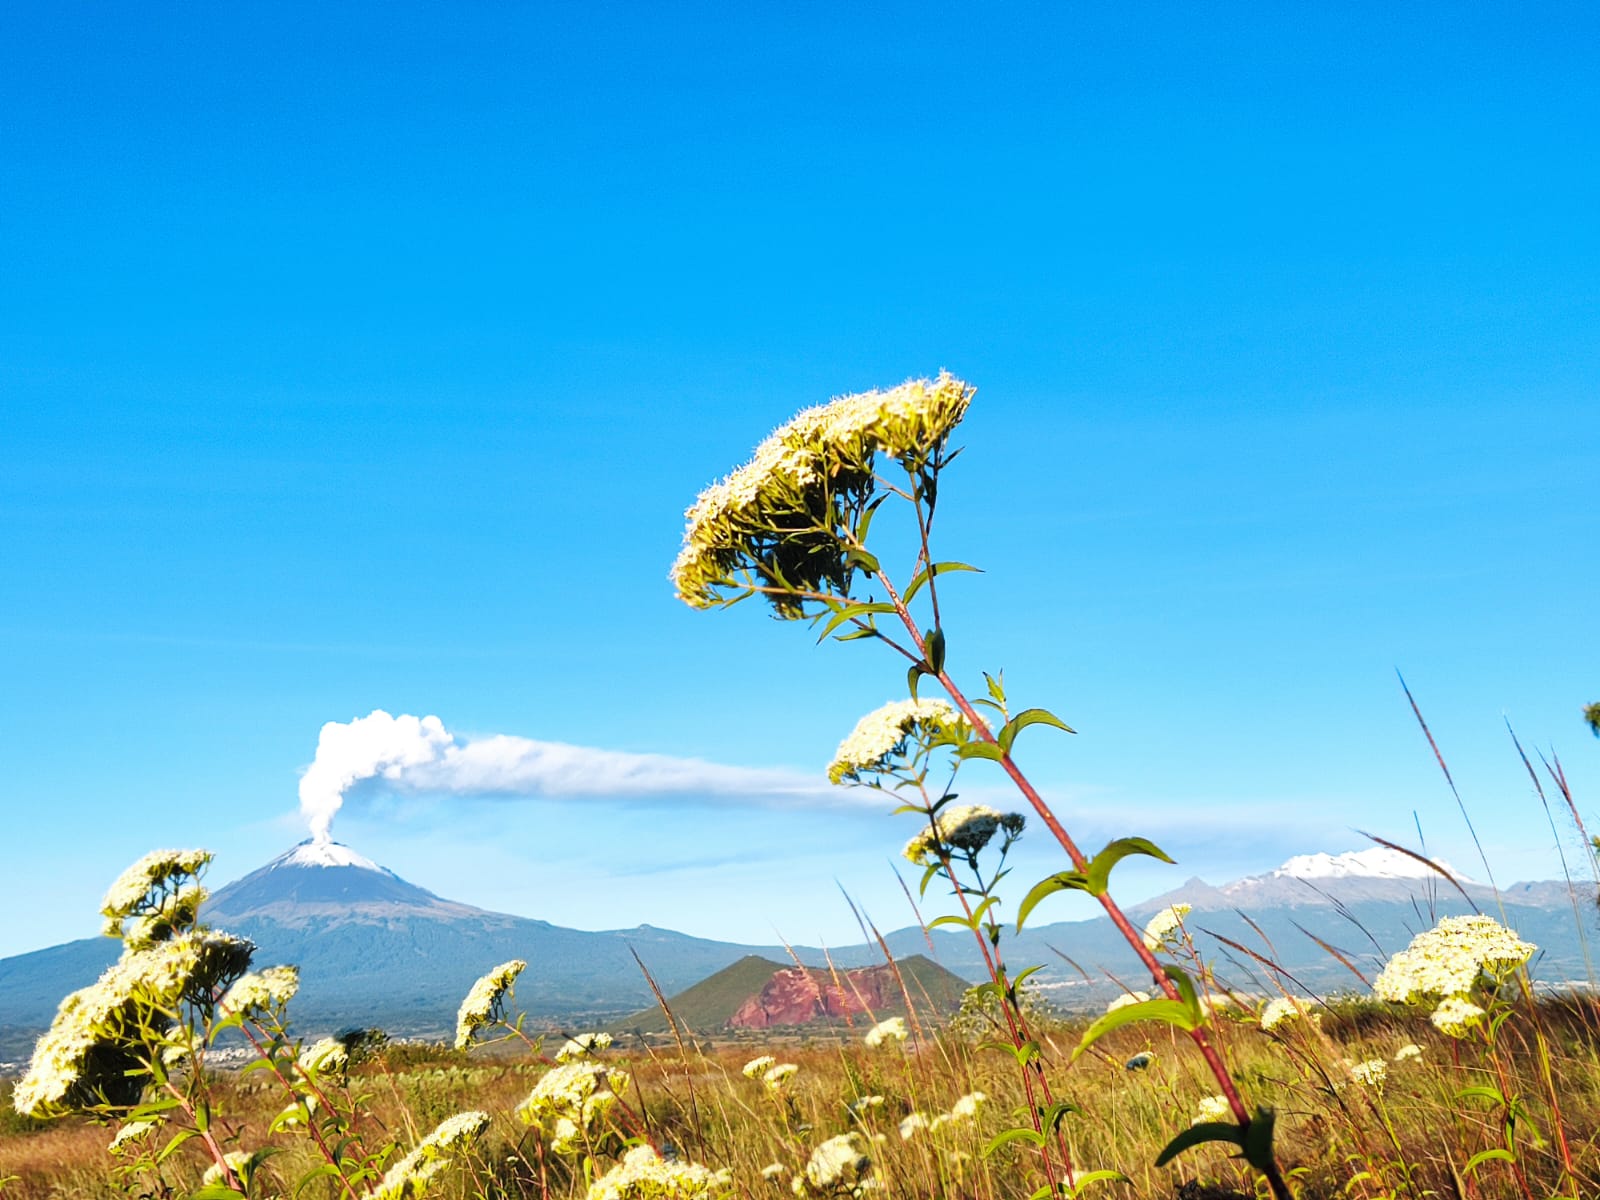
1377, 862
314, 852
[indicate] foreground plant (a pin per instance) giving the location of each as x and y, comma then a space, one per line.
793, 526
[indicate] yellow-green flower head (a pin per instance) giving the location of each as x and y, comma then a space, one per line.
131, 892
779, 517
1165, 925
884, 735
1457, 1016
168, 913
838, 1165
644, 1175
1282, 1010
1213, 1108
262, 991
892, 1030
131, 1134
1451, 959
485, 1000
582, 1046
327, 1056
412, 1175
959, 828
89, 1055
1372, 1073
1127, 1000
759, 1066
578, 1093
776, 1077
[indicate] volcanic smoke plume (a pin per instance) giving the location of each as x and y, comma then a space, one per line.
418, 754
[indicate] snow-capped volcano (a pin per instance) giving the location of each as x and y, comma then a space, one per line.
1377, 862
315, 852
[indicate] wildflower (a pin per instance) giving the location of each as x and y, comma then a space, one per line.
1373, 1073
773, 1172
583, 1044
939, 1121
966, 1107
882, 735
130, 1134
1407, 1052
1164, 925
1282, 1010
1126, 1000
775, 1077
485, 1000
412, 1174
1451, 959
92, 1053
235, 1161
172, 913
963, 828
1139, 1061
894, 1029
571, 1098
130, 893
325, 1057
912, 1125
1213, 1108
778, 520
645, 1175
262, 991
1456, 1016
758, 1066
839, 1164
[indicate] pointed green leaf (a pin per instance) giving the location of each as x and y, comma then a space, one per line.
1098, 873
1029, 716
1494, 1154
1032, 1136
912, 676
1101, 1176
933, 649
976, 749
1199, 1135
1048, 886
1169, 1012
1258, 1139
930, 572
864, 559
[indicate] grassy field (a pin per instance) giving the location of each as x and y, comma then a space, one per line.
1429, 1129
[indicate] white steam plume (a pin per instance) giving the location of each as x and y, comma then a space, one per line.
418, 754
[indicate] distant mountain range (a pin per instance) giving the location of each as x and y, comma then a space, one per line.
374, 949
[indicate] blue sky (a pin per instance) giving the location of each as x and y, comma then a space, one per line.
367, 359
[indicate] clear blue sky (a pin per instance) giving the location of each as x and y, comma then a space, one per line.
368, 358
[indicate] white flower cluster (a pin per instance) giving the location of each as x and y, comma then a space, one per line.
780, 514
645, 1175
912, 1124
262, 991
413, 1173
758, 1066
1372, 1073
236, 1161
1451, 959
156, 871
484, 1000
883, 733
328, 1056
570, 1099
1213, 1108
131, 1134
1283, 1010
892, 1030
1165, 925
838, 1166
1127, 1000
582, 1046
1457, 1016
776, 1077
966, 1107
1407, 1052
88, 1054
962, 828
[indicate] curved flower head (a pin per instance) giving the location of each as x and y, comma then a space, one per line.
758, 1066
885, 734
583, 1046
966, 1107
776, 1077
572, 1098
485, 1001
432, 1155
262, 991
838, 1165
160, 893
959, 829
1282, 1010
645, 1175
1457, 1016
237, 1162
778, 521
1451, 959
1407, 1052
1164, 926
327, 1056
892, 1030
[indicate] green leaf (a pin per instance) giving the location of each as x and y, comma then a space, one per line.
1098, 872
916, 672
1258, 1139
927, 573
997, 687
1482, 1092
952, 919
1199, 1135
933, 649
976, 749
864, 522
1495, 1154
1032, 1136
1048, 886
178, 1139
318, 1172
1050, 1118
1101, 1176
864, 559
1186, 989
850, 611
1168, 1012
1029, 716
